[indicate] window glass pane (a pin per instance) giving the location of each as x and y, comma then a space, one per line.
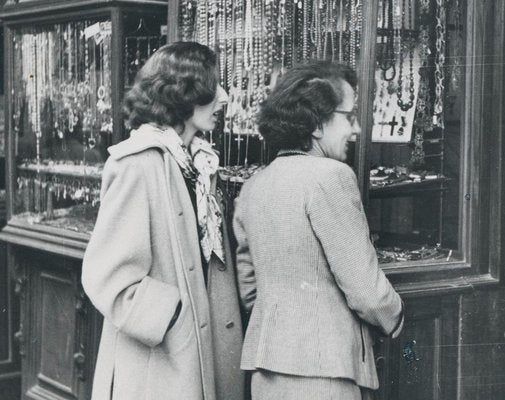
415, 170
61, 121
256, 42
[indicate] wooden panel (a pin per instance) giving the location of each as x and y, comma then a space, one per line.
483, 346
57, 337
4, 310
422, 363
55, 329
10, 374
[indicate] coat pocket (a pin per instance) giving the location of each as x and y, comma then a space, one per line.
182, 332
363, 351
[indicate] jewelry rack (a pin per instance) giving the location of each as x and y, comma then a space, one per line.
419, 172
63, 110
140, 44
257, 41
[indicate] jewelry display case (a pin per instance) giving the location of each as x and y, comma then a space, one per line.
256, 42
67, 75
412, 156
415, 160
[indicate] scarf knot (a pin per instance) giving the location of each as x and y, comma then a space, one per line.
199, 165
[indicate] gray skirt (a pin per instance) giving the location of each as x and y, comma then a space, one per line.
269, 385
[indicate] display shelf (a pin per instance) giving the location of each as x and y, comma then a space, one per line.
52, 168
409, 188
67, 75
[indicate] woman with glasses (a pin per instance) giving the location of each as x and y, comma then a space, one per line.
307, 270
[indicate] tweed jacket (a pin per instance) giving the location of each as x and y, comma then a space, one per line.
142, 259
306, 263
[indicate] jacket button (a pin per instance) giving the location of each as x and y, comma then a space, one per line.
180, 213
221, 267
191, 267
203, 325
230, 324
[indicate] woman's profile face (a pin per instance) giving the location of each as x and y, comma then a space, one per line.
339, 129
205, 117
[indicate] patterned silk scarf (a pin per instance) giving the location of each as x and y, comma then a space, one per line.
199, 167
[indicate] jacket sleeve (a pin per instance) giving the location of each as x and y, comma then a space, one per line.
245, 268
337, 218
118, 258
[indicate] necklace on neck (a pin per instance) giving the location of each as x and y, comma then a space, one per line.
291, 152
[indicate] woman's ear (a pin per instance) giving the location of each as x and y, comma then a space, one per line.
318, 133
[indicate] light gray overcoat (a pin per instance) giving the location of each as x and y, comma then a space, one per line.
306, 263
142, 259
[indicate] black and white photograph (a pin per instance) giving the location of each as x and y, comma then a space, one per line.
252, 200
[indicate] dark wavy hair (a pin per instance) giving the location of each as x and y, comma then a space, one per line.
175, 79
303, 99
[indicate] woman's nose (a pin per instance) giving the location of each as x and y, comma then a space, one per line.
356, 128
222, 96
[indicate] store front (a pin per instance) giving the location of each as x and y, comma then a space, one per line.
429, 163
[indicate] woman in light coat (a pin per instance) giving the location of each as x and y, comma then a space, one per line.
158, 265
306, 266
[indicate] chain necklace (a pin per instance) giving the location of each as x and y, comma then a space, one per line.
438, 107
315, 31
202, 27
305, 29
341, 32
282, 27
187, 12
404, 106
248, 36
229, 29
387, 60
424, 6
269, 46
455, 49
221, 39
352, 37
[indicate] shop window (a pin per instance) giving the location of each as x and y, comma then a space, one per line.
413, 157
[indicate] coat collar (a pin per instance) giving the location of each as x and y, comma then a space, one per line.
145, 137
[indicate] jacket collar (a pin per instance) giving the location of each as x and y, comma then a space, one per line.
145, 137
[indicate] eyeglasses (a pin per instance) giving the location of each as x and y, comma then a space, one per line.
351, 116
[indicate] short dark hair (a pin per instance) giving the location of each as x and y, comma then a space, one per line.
175, 79
303, 99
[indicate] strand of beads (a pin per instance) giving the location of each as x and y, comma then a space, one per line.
352, 35
405, 106
438, 108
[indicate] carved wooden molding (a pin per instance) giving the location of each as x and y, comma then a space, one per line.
46, 241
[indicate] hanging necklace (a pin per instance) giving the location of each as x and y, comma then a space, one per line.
228, 32
248, 36
341, 32
387, 60
221, 39
298, 32
291, 152
330, 33
438, 107
316, 29
404, 106
289, 33
282, 30
305, 45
